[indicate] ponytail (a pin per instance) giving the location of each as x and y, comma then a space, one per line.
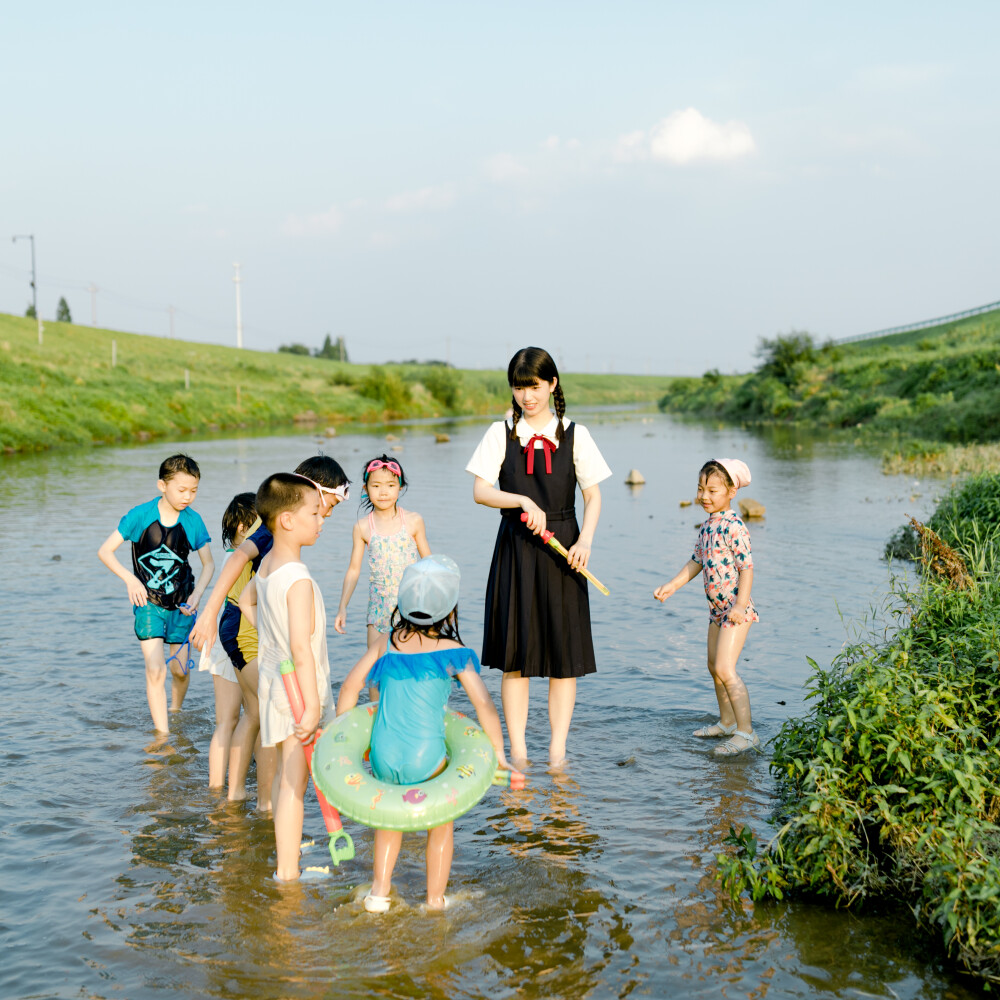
517, 413
560, 400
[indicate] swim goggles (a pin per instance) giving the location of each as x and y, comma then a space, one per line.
342, 492
377, 463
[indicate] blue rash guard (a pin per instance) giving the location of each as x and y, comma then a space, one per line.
408, 735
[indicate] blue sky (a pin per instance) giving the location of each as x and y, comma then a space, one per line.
636, 186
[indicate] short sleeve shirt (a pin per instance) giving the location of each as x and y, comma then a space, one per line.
588, 462
263, 539
160, 553
723, 550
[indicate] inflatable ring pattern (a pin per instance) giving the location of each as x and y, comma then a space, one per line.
339, 772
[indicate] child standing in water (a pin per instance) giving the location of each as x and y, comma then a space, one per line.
161, 586
722, 556
537, 606
414, 668
395, 538
283, 602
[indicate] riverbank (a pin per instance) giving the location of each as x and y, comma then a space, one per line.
888, 789
931, 397
86, 386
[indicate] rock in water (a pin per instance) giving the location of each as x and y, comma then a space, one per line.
635, 478
442, 438
751, 508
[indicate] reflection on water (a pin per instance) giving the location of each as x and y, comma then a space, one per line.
124, 876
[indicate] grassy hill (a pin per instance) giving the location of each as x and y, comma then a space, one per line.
66, 391
939, 384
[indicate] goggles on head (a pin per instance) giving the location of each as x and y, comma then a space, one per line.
342, 492
377, 463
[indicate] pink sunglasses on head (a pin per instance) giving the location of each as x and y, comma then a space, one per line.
377, 463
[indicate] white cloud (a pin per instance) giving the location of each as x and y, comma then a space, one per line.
318, 224
504, 167
425, 199
631, 147
686, 137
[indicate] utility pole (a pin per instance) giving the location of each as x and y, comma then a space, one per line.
239, 314
34, 285
171, 311
93, 304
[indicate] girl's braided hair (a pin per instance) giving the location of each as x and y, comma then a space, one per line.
528, 366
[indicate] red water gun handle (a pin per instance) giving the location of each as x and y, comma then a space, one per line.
334, 826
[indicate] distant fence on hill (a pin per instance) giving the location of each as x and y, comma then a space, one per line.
923, 324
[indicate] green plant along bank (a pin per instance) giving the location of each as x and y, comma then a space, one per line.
890, 786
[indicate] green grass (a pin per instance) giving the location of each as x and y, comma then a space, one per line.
924, 387
888, 789
65, 392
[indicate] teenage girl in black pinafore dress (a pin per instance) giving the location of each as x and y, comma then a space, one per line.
537, 621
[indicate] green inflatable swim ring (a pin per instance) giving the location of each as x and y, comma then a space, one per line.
339, 771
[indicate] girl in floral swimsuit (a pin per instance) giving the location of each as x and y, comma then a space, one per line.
394, 538
722, 556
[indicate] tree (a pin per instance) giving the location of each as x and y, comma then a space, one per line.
333, 350
30, 312
62, 311
293, 349
785, 355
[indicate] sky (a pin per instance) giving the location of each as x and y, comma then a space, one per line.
637, 186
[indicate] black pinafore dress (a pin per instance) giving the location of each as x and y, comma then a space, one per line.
537, 608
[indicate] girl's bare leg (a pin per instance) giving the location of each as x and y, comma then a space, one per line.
724, 648
179, 680
384, 854
288, 809
227, 713
514, 697
562, 700
440, 847
156, 672
373, 637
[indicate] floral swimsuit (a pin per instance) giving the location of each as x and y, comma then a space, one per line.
723, 550
388, 556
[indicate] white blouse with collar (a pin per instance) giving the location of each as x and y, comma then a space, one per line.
588, 462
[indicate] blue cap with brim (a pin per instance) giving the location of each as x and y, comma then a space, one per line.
428, 592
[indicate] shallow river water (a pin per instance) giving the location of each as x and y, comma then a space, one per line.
124, 876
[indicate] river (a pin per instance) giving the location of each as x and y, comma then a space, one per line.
123, 876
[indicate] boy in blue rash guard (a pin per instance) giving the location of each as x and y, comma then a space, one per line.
334, 487
413, 668
162, 589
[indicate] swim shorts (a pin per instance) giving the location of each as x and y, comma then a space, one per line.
154, 622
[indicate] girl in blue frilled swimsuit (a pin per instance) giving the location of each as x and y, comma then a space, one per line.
414, 667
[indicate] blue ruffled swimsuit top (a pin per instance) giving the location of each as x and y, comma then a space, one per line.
408, 735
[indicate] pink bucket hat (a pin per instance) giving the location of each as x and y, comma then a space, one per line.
738, 471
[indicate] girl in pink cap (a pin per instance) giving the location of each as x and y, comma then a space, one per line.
722, 556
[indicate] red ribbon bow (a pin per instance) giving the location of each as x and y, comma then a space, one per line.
547, 446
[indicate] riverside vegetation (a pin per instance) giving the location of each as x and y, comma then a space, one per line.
933, 394
889, 789
65, 392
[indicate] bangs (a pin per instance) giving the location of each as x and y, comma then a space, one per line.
523, 377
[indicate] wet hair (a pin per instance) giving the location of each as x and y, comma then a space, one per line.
177, 464
278, 493
241, 511
714, 468
447, 628
528, 366
323, 470
366, 503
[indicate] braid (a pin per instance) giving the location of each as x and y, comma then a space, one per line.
560, 410
518, 412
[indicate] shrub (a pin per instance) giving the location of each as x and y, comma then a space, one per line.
387, 388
